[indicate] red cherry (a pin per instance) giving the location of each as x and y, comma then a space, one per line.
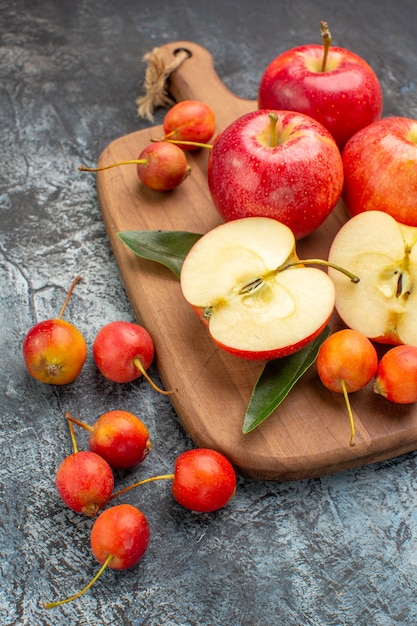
121, 438
85, 482
119, 538
204, 480
54, 350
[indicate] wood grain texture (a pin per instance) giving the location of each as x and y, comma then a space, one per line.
308, 435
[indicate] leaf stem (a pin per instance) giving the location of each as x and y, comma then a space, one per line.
184, 142
142, 482
83, 168
273, 119
79, 423
70, 290
138, 364
72, 433
327, 40
51, 605
355, 279
349, 409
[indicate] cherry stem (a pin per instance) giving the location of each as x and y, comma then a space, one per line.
138, 364
70, 290
355, 279
72, 432
327, 40
79, 423
197, 144
83, 168
273, 119
349, 409
142, 482
51, 605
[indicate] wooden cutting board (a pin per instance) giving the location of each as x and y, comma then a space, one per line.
308, 435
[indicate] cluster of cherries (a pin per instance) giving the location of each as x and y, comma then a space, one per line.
162, 165
347, 361
203, 480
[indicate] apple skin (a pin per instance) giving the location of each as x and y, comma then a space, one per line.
294, 81
264, 355
380, 165
297, 182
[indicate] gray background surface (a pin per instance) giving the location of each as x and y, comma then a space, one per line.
337, 550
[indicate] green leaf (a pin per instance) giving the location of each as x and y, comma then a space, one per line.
276, 381
166, 247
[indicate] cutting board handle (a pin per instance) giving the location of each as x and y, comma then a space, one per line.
196, 79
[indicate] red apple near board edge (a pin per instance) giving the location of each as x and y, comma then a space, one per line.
340, 90
380, 165
278, 164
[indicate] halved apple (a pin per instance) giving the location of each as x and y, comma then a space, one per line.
246, 282
383, 254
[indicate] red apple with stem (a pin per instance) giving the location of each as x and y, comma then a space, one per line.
161, 166
84, 480
123, 351
54, 350
277, 164
331, 84
119, 539
190, 120
120, 437
203, 481
380, 165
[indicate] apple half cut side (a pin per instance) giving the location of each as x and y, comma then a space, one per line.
383, 254
244, 280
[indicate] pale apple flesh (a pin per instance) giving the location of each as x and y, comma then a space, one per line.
256, 307
383, 254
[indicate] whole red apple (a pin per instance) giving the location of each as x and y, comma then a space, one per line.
380, 164
278, 164
345, 97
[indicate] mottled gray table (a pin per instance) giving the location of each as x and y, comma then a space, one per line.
337, 550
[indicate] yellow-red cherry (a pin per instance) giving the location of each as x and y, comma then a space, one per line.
54, 350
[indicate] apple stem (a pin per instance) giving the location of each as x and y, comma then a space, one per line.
83, 168
79, 423
327, 40
349, 409
184, 142
273, 119
355, 279
142, 482
138, 364
70, 290
72, 433
51, 605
